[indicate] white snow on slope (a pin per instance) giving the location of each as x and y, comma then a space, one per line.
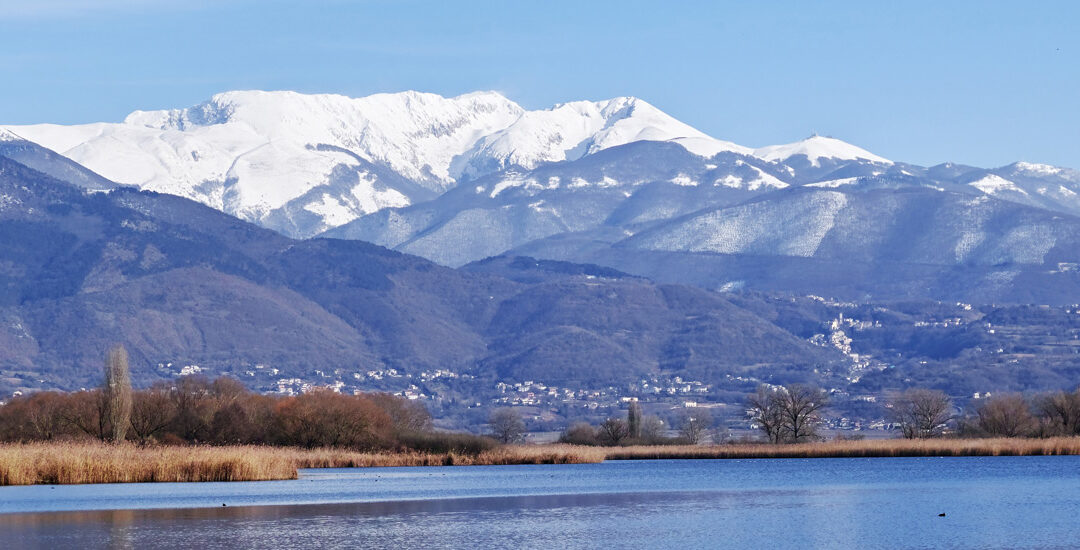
754, 228
763, 179
1037, 169
570, 131
834, 183
816, 148
708, 147
262, 143
251, 152
8, 135
993, 184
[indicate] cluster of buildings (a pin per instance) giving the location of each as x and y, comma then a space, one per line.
532, 393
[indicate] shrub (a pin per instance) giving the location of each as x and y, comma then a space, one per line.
447, 442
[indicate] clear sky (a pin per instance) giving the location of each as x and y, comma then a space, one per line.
982, 83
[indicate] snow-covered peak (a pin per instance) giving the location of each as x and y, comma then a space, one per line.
1034, 169
569, 131
8, 135
280, 155
816, 148
416, 134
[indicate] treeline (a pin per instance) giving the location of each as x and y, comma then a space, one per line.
794, 414
195, 409
922, 413
693, 425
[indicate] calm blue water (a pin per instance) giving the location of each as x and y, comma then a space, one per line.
1004, 502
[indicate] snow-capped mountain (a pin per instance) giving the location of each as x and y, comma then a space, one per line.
815, 149
1039, 185
43, 160
572, 130
621, 188
616, 182
304, 163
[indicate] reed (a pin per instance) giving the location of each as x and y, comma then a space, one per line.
861, 448
93, 462
79, 462
505, 455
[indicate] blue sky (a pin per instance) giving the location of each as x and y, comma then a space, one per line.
982, 83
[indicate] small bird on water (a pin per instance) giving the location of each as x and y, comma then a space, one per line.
941, 515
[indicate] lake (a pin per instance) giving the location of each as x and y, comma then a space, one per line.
998, 502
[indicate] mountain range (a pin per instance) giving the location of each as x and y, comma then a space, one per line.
616, 183
184, 285
445, 246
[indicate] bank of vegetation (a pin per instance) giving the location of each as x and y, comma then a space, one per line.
195, 410
87, 461
96, 462
792, 415
196, 429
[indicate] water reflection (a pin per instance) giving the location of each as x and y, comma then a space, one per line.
1014, 502
409, 523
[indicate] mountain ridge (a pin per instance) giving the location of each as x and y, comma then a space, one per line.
305, 163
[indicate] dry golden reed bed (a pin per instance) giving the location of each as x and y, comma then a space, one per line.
64, 463
85, 462
861, 448
90, 462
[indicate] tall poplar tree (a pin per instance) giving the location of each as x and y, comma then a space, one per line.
117, 392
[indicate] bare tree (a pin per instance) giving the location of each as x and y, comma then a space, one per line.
579, 433
44, 415
652, 429
1006, 416
1060, 412
117, 390
506, 425
152, 411
800, 406
88, 412
633, 420
612, 431
693, 424
193, 404
720, 435
921, 413
407, 416
766, 412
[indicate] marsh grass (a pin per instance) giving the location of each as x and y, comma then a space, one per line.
860, 448
92, 462
77, 462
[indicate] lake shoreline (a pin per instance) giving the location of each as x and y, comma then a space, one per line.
68, 463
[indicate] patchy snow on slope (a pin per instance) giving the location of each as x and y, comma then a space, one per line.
992, 184
511, 180
754, 228
816, 148
834, 183
764, 179
683, 180
364, 198
1038, 169
759, 179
